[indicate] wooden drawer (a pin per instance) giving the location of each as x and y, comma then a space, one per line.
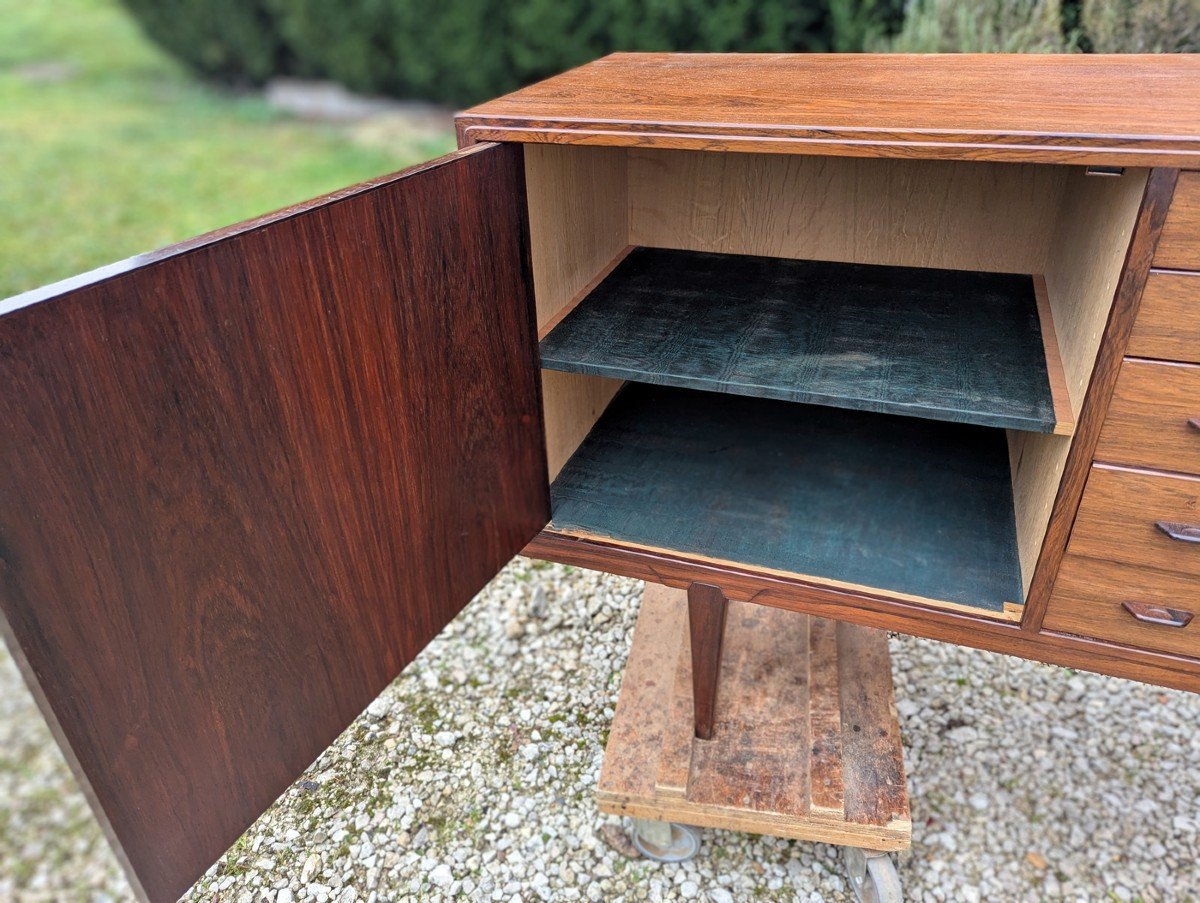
1118, 517
1147, 424
1168, 322
1089, 597
1179, 246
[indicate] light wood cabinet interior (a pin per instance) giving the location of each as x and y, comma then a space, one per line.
587, 205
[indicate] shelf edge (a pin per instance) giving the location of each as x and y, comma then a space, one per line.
1060, 394
1009, 613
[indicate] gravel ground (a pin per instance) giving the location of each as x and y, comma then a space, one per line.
471, 778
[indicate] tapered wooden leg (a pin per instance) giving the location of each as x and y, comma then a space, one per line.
706, 623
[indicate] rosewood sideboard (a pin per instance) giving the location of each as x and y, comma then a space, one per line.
912, 342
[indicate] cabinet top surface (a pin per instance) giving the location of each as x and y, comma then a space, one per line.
1076, 108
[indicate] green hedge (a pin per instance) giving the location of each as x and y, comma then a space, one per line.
232, 41
444, 50
1047, 26
461, 51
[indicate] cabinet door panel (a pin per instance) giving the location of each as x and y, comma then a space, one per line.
245, 480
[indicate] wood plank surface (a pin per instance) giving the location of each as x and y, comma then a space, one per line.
827, 786
1179, 247
631, 759
959, 346
244, 481
872, 763
1071, 108
1149, 417
1168, 322
755, 773
675, 759
916, 506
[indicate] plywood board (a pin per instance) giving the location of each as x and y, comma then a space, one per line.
954, 345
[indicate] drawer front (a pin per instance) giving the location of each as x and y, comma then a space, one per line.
1179, 246
1119, 516
1089, 600
1148, 420
1168, 322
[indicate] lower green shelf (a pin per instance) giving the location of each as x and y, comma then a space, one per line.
918, 507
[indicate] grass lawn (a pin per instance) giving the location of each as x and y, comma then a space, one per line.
108, 148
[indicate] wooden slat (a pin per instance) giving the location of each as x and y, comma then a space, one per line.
631, 759
907, 505
1064, 413
872, 764
244, 481
675, 759
544, 329
826, 784
960, 346
1124, 110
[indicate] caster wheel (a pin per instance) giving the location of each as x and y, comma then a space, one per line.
666, 841
873, 876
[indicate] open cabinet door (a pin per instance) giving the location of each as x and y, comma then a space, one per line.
245, 480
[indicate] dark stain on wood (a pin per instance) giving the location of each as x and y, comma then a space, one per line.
872, 764
243, 482
913, 506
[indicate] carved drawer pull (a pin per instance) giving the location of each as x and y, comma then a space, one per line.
1194, 423
1180, 532
1158, 614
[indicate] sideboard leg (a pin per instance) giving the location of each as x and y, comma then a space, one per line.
706, 623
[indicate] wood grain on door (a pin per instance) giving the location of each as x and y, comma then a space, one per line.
245, 480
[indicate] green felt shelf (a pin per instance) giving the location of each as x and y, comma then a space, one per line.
913, 506
949, 345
